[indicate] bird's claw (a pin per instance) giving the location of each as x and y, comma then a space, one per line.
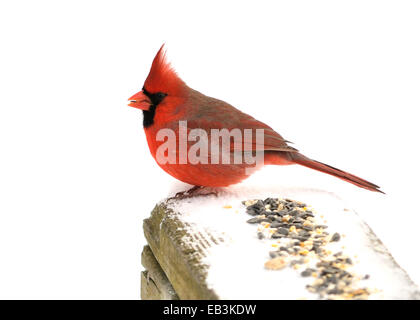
193, 192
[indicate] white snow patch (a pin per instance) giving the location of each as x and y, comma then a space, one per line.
236, 265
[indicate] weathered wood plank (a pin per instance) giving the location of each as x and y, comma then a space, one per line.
149, 289
154, 283
177, 253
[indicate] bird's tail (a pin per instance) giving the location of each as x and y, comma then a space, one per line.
304, 161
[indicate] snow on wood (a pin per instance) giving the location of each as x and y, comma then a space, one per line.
208, 250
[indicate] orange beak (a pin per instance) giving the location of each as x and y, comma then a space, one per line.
140, 101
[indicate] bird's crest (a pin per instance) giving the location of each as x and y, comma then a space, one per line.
162, 77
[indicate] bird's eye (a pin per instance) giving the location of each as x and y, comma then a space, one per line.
156, 98
161, 95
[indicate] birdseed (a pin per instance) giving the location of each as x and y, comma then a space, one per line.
302, 242
276, 263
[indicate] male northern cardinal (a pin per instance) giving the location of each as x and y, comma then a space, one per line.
166, 100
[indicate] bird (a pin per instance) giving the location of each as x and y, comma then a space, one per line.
169, 105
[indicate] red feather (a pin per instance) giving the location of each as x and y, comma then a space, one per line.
162, 77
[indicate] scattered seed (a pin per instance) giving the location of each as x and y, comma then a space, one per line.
277, 235
254, 220
307, 272
299, 261
276, 224
294, 226
335, 237
275, 264
283, 231
274, 254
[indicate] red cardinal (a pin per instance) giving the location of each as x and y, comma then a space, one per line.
166, 100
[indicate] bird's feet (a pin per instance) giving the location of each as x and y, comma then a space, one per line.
194, 192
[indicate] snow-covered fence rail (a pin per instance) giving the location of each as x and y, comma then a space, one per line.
257, 245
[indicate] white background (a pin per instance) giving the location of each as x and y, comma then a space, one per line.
339, 79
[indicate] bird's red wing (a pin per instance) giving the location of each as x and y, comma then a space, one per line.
231, 119
272, 140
